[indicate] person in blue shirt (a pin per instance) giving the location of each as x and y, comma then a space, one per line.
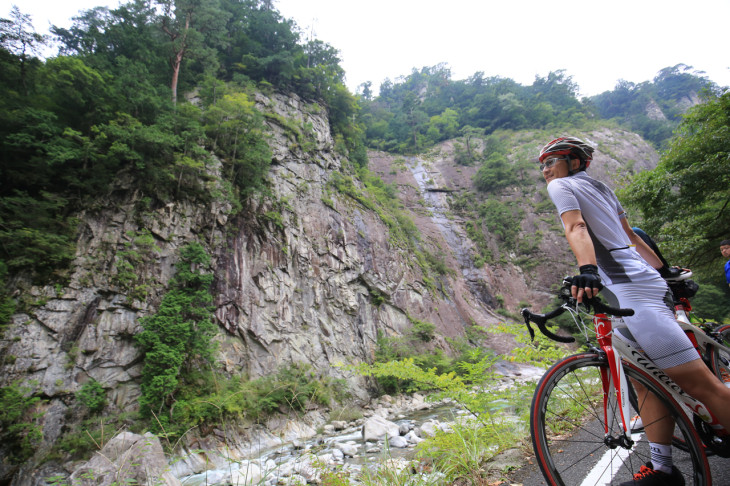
725, 250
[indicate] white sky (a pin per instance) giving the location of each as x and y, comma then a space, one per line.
596, 42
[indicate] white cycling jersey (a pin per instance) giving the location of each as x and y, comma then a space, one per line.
630, 281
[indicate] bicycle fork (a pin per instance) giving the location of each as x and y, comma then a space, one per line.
615, 376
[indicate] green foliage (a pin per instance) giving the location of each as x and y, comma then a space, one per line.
437, 263
294, 387
7, 303
396, 473
461, 452
539, 352
347, 414
7, 309
206, 398
34, 234
712, 302
500, 417
413, 346
495, 173
179, 337
178, 349
92, 396
209, 398
628, 101
468, 153
17, 36
19, 431
501, 220
444, 126
690, 184
235, 129
101, 108
129, 263
425, 331
428, 107
80, 440
376, 297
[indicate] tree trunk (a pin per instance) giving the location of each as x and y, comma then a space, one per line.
177, 58
173, 83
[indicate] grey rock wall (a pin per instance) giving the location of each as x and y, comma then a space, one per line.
293, 290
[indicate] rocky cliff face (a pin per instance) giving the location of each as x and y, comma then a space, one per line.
297, 287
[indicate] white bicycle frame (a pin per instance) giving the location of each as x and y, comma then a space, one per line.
619, 349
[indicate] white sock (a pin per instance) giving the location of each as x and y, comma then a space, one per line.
661, 457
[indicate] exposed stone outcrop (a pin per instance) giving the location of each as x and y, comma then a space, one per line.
126, 459
294, 288
654, 112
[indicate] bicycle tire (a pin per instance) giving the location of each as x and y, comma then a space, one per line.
566, 422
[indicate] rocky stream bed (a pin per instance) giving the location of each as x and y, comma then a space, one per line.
296, 452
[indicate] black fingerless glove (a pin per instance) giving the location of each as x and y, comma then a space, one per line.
669, 272
588, 278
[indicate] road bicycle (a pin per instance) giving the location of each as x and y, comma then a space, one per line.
583, 417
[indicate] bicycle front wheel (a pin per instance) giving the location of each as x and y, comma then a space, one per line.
577, 441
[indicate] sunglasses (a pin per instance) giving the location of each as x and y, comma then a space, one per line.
551, 162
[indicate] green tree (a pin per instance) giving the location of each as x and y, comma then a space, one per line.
19, 432
194, 28
77, 94
34, 235
18, 36
712, 302
235, 128
92, 395
178, 338
558, 89
669, 91
415, 118
684, 200
443, 126
501, 221
262, 45
495, 173
468, 154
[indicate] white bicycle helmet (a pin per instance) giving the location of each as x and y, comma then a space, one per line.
572, 146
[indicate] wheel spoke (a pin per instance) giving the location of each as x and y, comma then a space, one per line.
569, 433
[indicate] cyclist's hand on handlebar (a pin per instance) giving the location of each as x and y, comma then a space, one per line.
674, 273
587, 284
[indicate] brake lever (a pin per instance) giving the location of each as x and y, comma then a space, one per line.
526, 314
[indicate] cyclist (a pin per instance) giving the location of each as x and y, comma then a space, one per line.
601, 239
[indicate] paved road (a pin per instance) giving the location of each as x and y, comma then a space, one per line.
530, 475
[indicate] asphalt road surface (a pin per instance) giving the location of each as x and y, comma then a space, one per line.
530, 474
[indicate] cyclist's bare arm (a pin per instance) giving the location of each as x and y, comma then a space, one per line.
641, 246
576, 232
